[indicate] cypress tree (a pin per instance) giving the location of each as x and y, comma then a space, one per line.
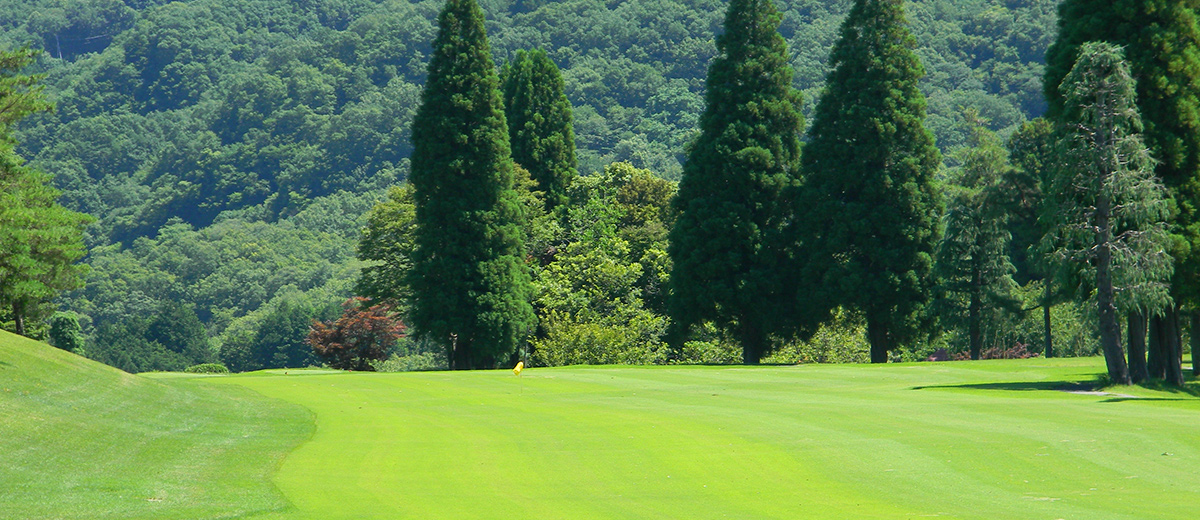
470, 286
869, 210
973, 263
1161, 39
1107, 208
539, 123
748, 150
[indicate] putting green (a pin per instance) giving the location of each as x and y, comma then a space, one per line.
986, 440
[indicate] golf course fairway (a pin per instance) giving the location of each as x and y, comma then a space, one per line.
970, 440
952, 440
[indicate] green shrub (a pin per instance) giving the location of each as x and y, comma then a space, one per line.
635, 342
411, 363
207, 368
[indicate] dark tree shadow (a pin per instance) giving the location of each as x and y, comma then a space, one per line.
1190, 388
1026, 386
1123, 399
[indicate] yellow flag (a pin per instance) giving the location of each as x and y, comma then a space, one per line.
520, 366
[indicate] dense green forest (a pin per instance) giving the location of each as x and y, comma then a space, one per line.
230, 155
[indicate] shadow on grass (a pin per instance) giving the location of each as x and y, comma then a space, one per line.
1026, 386
1190, 388
1144, 399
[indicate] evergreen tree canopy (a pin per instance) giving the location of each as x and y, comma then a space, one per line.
40, 241
470, 285
539, 123
973, 266
1161, 40
1107, 208
748, 150
869, 210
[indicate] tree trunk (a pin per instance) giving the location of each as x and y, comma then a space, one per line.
1195, 342
877, 335
1156, 365
1049, 352
1174, 351
19, 317
754, 344
459, 349
973, 317
1110, 328
1137, 347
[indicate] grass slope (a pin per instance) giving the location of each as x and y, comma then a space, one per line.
971, 440
82, 440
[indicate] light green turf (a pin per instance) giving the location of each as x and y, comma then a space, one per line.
82, 440
985, 440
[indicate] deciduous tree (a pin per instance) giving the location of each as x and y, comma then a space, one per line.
359, 336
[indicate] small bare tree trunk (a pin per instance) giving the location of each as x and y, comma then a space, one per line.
18, 312
1137, 347
1174, 351
1110, 328
1195, 342
877, 335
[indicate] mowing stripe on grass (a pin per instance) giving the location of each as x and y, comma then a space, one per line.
958, 440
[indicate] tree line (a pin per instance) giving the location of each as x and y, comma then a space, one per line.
770, 238
799, 261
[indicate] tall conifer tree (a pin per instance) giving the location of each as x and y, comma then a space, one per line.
470, 285
1106, 206
539, 123
973, 264
748, 150
1161, 39
869, 211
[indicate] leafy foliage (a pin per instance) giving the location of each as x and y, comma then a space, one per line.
360, 336
1161, 40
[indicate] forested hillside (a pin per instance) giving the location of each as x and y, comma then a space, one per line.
230, 152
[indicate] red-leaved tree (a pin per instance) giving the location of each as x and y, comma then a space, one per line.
362, 334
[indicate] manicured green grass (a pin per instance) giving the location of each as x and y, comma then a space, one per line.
82, 440
986, 440
978, 440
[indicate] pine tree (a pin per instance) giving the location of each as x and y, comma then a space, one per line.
40, 241
1022, 195
1162, 44
539, 123
869, 212
470, 285
973, 264
1108, 208
748, 150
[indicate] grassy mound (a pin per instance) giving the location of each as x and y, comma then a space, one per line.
83, 440
982, 440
